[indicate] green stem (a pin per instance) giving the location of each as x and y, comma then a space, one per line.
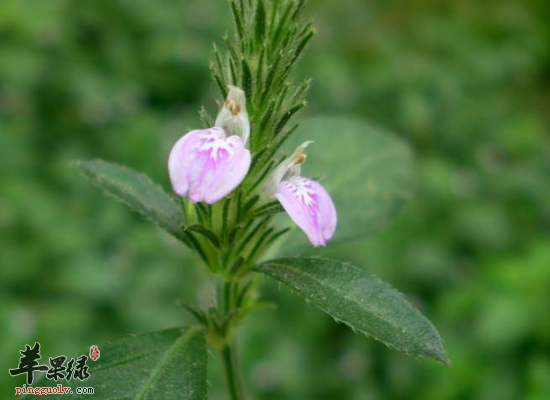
232, 373
225, 307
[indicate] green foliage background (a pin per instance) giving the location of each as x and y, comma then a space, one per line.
465, 82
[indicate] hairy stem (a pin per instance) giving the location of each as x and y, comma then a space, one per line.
232, 376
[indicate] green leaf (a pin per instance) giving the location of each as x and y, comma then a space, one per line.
367, 171
360, 301
137, 191
169, 364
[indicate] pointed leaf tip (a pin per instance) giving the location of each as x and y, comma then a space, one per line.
361, 301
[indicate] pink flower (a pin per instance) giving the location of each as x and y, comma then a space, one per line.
305, 201
206, 165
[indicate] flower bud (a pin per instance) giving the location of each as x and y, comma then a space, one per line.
233, 117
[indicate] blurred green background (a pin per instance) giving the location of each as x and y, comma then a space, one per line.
465, 82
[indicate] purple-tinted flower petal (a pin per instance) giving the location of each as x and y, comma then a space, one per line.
310, 207
207, 166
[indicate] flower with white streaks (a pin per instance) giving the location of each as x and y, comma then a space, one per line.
208, 164
305, 201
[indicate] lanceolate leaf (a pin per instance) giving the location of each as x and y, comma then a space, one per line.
136, 191
168, 365
361, 301
367, 171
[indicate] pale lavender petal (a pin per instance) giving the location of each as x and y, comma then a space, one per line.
206, 166
310, 207
178, 165
230, 176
